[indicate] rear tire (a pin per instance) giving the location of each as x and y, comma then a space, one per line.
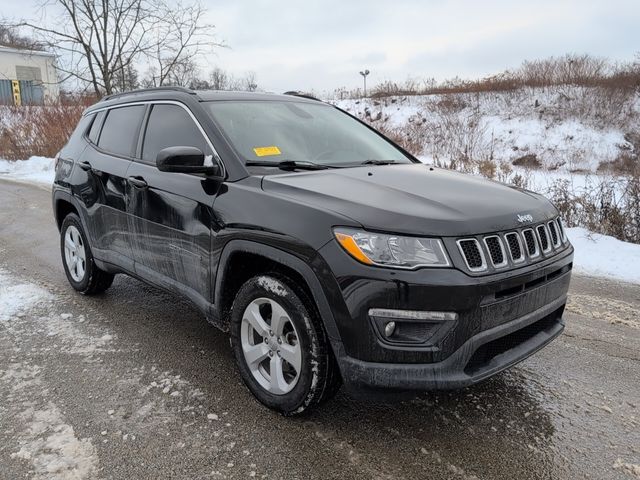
292, 344
82, 272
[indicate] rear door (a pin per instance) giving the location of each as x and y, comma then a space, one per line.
113, 138
171, 213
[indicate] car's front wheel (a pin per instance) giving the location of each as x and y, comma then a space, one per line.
82, 272
280, 346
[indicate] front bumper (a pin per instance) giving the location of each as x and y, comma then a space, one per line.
480, 357
502, 319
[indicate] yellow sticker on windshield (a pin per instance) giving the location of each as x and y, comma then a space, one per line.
266, 151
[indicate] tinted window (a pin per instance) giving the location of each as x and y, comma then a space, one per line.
171, 126
120, 131
95, 127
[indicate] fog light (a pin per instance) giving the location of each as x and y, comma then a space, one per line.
389, 328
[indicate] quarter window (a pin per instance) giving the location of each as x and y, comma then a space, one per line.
120, 131
95, 127
171, 126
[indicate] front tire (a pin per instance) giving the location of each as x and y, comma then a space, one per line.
82, 272
280, 346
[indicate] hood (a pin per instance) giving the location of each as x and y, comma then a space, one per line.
414, 199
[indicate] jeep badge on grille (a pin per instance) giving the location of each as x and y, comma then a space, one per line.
525, 218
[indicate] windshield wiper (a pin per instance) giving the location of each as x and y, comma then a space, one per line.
378, 162
287, 165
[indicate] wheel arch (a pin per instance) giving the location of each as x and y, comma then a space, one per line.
238, 253
63, 205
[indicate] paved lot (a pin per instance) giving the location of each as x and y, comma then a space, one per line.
135, 384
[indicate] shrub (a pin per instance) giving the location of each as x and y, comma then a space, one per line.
36, 130
607, 204
570, 69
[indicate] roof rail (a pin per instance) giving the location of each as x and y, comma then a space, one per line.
302, 95
152, 89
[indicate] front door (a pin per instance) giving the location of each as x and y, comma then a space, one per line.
171, 213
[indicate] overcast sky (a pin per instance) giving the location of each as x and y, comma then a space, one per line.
322, 45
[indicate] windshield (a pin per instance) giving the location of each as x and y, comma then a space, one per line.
273, 131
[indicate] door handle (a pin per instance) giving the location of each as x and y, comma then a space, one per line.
138, 182
86, 166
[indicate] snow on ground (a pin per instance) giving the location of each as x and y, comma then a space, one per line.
37, 170
52, 448
603, 256
44, 438
569, 128
17, 298
569, 145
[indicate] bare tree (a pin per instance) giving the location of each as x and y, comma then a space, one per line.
99, 41
219, 79
125, 79
180, 37
249, 82
183, 73
9, 37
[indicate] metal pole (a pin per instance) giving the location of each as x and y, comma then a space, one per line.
364, 78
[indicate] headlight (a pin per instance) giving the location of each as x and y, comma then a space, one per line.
392, 250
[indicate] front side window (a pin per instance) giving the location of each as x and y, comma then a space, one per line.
277, 131
119, 134
171, 126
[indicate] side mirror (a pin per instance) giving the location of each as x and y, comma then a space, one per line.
184, 160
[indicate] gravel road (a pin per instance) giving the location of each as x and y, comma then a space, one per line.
134, 384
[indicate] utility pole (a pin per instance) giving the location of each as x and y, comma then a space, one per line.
364, 78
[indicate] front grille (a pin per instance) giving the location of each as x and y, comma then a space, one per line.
515, 247
554, 234
496, 252
500, 250
472, 254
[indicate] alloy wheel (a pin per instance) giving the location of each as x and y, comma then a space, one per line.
74, 253
271, 346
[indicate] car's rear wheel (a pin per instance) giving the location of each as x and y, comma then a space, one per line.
280, 346
82, 272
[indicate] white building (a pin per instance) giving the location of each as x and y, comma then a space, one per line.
33, 72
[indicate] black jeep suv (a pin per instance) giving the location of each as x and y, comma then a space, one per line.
329, 253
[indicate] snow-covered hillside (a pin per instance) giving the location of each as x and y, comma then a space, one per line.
564, 128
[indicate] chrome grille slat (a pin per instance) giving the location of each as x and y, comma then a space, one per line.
563, 234
530, 242
472, 254
555, 238
515, 247
496, 251
543, 238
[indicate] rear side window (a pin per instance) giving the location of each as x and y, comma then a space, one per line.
95, 127
171, 126
120, 131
